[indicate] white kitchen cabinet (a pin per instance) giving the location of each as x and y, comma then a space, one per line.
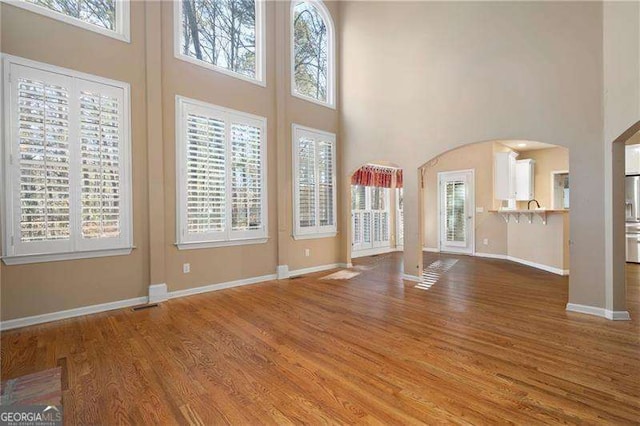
632, 160
525, 178
504, 175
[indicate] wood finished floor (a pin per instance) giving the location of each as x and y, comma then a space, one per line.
488, 343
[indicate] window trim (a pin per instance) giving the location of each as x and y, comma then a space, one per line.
181, 104
260, 78
327, 231
123, 18
7, 213
331, 69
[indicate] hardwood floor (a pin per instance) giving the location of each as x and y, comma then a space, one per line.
490, 342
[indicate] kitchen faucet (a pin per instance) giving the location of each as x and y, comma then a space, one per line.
529, 204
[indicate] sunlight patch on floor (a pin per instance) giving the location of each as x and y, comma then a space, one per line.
434, 272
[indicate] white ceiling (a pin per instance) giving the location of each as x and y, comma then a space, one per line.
517, 145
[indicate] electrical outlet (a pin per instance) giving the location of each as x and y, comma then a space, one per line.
479, 209
307, 252
186, 268
485, 241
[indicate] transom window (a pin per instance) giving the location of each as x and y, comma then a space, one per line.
67, 168
225, 35
313, 53
108, 17
221, 164
314, 183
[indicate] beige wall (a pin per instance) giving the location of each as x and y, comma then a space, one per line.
488, 225
455, 73
547, 161
148, 61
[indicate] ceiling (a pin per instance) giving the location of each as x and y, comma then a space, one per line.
517, 145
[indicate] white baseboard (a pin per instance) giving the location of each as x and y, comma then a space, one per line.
313, 269
373, 251
282, 272
547, 268
586, 309
491, 255
157, 293
617, 315
71, 313
220, 286
431, 249
413, 278
599, 312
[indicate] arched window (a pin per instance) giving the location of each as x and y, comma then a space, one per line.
312, 52
224, 35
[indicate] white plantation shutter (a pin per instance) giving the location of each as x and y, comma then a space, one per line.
314, 183
246, 184
221, 175
67, 189
205, 176
307, 183
325, 182
455, 216
371, 210
400, 216
366, 227
101, 164
44, 160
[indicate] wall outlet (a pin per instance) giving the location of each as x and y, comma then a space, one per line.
307, 252
485, 241
479, 209
186, 268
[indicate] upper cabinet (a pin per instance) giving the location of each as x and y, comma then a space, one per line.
632, 160
513, 179
504, 175
524, 180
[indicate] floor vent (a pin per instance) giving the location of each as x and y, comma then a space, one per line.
434, 272
147, 306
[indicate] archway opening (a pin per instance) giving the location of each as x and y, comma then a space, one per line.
377, 214
623, 292
501, 199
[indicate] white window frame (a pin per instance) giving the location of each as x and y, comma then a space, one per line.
228, 237
13, 251
331, 68
123, 19
327, 231
260, 25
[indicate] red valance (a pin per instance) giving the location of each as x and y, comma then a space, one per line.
379, 176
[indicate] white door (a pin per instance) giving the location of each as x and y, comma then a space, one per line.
456, 211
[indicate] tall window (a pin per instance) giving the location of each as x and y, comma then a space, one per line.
67, 168
109, 17
221, 176
313, 52
225, 35
314, 183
